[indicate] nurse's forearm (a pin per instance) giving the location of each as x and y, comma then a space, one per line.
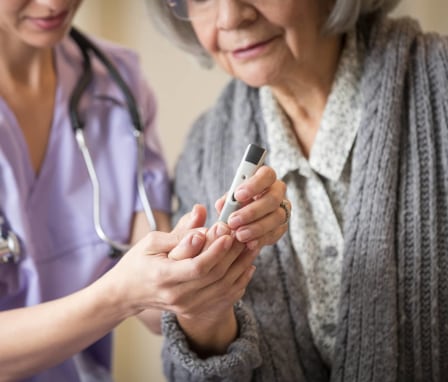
39, 337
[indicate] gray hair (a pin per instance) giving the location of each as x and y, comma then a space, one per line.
343, 17
346, 13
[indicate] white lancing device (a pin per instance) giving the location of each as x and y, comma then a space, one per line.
252, 159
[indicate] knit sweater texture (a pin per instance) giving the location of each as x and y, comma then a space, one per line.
393, 314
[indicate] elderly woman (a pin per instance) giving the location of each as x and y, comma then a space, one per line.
353, 109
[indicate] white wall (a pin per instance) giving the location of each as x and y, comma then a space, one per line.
183, 90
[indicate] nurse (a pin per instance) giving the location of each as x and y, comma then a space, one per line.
60, 301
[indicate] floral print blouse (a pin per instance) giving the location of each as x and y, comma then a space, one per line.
318, 188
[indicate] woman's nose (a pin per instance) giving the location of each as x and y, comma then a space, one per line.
234, 13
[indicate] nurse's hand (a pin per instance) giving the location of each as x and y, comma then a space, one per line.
181, 274
262, 220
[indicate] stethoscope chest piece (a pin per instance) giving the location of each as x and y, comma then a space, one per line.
9, 245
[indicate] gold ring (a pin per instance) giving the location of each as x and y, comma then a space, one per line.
285, 205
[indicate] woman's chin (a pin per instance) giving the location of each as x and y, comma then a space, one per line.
255, 81
258, 76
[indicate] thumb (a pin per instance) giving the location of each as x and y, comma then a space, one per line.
156, 242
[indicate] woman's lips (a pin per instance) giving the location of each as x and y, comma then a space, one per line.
49, 23
253, 50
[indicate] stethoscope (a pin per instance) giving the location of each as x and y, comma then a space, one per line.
10, 248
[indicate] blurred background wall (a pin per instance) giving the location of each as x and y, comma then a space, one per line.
183, 91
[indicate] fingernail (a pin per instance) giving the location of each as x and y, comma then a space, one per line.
197, 240
241, 195
235, 221
243, 235
227, 243
222, 229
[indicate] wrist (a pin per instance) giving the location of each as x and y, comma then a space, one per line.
209, 335
112, 296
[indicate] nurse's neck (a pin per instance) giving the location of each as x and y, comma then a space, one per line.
28, 87
24, 66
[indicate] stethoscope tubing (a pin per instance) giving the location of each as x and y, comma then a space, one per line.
10, 249
86, 45
96, 190
140, 138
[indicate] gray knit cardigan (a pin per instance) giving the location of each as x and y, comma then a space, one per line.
393, 316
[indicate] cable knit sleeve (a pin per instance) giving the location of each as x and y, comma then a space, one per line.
182, 364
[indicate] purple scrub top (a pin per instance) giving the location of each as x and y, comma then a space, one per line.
51, 212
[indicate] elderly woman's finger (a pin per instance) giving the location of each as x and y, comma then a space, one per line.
214, 232
263, 206
267, 239
263, 178
193, 219
263, 226
219, 204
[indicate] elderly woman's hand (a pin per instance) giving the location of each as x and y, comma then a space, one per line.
265, 213
211, 325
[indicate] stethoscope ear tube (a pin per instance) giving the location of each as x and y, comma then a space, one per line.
80, 87
85, 46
